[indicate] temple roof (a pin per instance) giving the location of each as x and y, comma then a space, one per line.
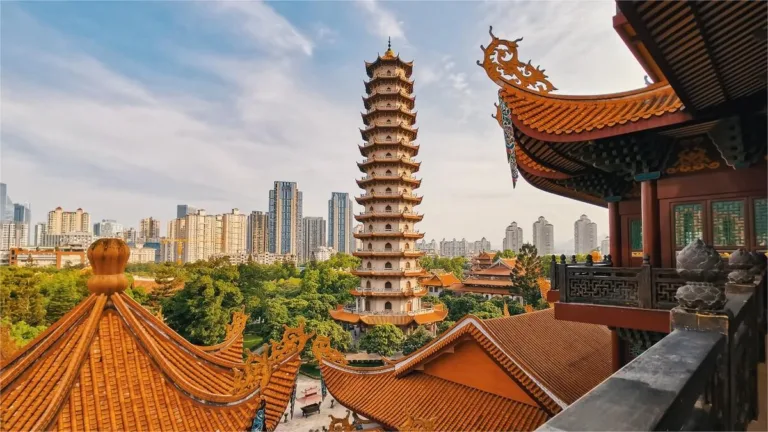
534, 351
437, 314
440, 280
109, 364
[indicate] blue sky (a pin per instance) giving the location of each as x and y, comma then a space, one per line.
128, 108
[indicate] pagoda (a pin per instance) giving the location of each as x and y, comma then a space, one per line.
389, 274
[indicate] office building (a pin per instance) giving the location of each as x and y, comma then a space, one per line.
513, 237
63, 222
322, 253
6, 204
340, 220
21, 213
257, 235
544, 236
13, 235
40, 231
203, 236
234, 227
182, 210
313, 231
285, 219
584, 235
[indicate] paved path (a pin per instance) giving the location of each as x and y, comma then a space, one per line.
315, 421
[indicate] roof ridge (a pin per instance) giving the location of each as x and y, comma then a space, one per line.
61, 393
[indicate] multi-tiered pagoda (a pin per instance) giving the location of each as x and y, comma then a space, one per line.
389, 274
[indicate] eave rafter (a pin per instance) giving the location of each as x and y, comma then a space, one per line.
629, 157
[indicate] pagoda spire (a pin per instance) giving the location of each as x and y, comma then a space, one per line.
389, 43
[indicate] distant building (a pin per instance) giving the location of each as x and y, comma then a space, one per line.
455, 248
481, 245
544, 236
6, 204
61, 222
258, 232
605, 246
149, 228
108, 228
313, 230
13, 235
142, 255
429, 248
285, 218
322, 253
21, 213
357, 230
340, 220
182, 210
270, 258
584, 235
234, 232
513, 238
40, 230
202, 235
60, 258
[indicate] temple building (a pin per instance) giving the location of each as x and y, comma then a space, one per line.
502, 374
680, 163
493, 280
389, 274
109, 364
438, 282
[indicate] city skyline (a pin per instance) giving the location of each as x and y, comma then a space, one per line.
458, 135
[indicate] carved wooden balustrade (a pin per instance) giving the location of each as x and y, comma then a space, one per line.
701, 376
600, 283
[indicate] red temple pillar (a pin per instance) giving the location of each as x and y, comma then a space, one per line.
649, 203
614, 233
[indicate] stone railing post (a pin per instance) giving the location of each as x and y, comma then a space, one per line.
702, 269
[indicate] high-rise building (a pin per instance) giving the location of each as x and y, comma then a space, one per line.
108, 228
544, 236
21, 213
13, 235
314, 235
584, 235
149, 228
182, 210
389, 272
285, 214
129, 235
513, 237
258, 232
455, 248
61, 222
605, 246
234, 233
6, 204
40, 230
340, 216
203, 236
482, 245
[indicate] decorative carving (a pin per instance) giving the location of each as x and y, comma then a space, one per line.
413, 424
741, 263
693, 157
258, 367
639, 340
322, 350
108, 257
236, 327
665, 285
341, 424
501, 63
702, 269
603, 285
528, 308
506, 309
509, 140
8, 345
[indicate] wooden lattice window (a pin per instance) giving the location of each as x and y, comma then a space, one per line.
761, 222
728, 223
636, 234
688, 223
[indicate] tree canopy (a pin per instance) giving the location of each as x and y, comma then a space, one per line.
453, 265
417, 339
385, 339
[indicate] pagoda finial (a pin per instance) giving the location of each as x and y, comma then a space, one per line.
389, 43
108, 258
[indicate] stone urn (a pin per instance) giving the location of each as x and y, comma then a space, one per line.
702, 269
741, 263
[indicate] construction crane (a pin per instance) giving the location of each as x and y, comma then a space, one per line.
179, 247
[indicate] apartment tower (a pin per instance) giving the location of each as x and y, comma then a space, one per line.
258, 232
314, 236
234, 233
61, 222
584, 235
513, 237
149, 228
544, 236
340, 223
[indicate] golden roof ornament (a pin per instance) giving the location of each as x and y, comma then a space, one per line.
413, 424
506, 309
108, 258
389, 53
341, 424
322, 350
239, 318
501, 63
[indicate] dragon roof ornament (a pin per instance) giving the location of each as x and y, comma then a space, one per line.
503, 66
322, 350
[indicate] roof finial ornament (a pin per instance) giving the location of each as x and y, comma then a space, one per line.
501, 63
108, 258
389, 43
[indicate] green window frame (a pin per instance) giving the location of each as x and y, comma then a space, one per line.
760, 212
728, 223
636, 234
688, 223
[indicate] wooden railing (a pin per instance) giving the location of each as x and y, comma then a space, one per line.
600, 283
702, 376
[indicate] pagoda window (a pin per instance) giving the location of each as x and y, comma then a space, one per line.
389, 105
407, 246
389, 121
368, 284
370, 209
388, 227
405, 209
369, 265
408, 265
388, 285
389, 88
367, 305
389, 137
388, 306
372, 191
388, 247
406, 227
389, 190
408, 284
388, 209
370, 246
388, 265
389, 155
389, 172
389, 72
370, 228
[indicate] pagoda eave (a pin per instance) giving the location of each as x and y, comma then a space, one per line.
387, 198
385, 273
408, 254
388, 216
410, 235
389, 293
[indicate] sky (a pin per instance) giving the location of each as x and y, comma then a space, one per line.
127, 109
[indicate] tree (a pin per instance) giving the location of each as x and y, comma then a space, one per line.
506, 253
487, 309
21, 332
383, 339
64, 290
341, 339
444, 325
201, 310
20, 295
526, 273
417, 339
139, 294
169, 278
454, 265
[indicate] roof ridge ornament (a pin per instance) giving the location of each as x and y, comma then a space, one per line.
502, 65
413, 424
108, 258
322, 350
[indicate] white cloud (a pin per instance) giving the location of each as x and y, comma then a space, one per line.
260, 22
384, 22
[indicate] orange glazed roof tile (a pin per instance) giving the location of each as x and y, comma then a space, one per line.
441, 280
546, 364
488, 282
109, 364
480, 290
